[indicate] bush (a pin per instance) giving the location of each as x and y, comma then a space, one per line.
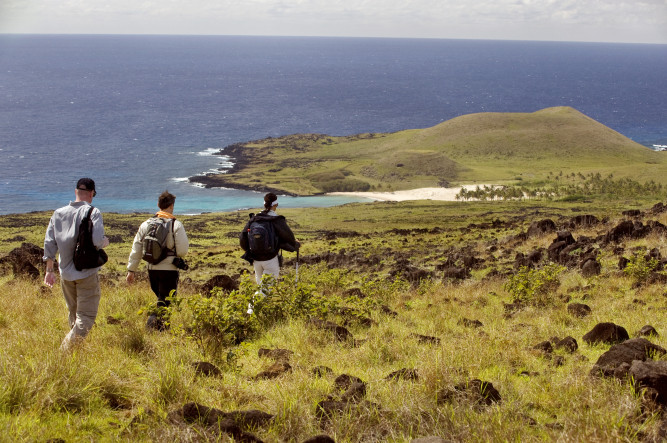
640, 267
535, 286
344, 185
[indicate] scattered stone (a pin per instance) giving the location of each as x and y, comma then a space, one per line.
634, 349
478, 391
275, 354
647, 331
405, 374
583, 220
275, 370
632, 213
541, 227
224, 282
578, 309
206, 368
344, 381
544, 347
609, 333
24, 260
356, 392
214, 419
426, 339
470, 323
568, 344
591, 268
651, 375
340, 333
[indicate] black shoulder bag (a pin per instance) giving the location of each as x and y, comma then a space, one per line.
86, 255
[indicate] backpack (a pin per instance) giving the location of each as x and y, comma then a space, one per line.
86, 255
155, 241
262, 239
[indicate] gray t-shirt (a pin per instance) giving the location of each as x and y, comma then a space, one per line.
61, 237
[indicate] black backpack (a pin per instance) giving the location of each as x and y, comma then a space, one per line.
86, 255
262, 239
155, 241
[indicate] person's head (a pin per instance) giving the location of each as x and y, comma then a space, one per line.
166, 200
270, 201
85, 190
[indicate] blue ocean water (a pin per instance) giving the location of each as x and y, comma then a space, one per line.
140, 114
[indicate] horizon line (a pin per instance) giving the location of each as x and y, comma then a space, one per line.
324, 36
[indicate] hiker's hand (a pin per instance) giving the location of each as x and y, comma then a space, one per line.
105, 242
130, 278
50, 279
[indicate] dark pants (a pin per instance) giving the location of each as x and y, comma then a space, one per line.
162, 283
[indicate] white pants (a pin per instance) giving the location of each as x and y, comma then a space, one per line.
266, 267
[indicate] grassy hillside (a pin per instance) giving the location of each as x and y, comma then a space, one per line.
500, 148
379, 270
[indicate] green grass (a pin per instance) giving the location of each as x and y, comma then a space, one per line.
123, 381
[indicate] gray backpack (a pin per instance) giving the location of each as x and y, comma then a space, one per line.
155, 242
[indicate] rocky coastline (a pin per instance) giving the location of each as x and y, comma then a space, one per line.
237, 154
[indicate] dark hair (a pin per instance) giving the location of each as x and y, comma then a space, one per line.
269, 199
165, 200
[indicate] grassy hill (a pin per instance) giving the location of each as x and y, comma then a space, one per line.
503, 148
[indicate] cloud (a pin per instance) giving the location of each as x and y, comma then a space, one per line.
526, 19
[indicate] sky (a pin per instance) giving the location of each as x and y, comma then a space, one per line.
630, 21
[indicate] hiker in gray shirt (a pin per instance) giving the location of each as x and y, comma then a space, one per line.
81, 289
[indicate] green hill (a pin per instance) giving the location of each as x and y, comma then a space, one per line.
500, 148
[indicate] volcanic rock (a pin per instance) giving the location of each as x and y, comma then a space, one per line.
609, 333
626, 352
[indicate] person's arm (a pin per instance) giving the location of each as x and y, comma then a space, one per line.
135, 254
180, 239
99, 239
50, 250
243, 238
286, 235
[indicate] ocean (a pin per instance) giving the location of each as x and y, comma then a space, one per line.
141, 114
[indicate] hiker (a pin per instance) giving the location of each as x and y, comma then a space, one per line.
81, 289
162, 242
265, 257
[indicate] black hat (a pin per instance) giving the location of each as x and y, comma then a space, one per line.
85, 184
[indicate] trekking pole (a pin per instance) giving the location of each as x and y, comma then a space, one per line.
296, 279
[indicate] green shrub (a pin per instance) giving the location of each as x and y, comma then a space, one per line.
640, 267
344, 185
535, 286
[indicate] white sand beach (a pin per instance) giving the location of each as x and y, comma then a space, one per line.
443, 194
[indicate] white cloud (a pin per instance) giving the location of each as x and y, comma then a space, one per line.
641, 20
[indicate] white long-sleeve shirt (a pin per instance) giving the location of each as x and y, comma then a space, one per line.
61, 237
179, 239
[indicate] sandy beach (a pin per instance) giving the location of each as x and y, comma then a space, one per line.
443, 194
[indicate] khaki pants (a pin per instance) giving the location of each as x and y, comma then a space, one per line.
83, 299
266, 267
